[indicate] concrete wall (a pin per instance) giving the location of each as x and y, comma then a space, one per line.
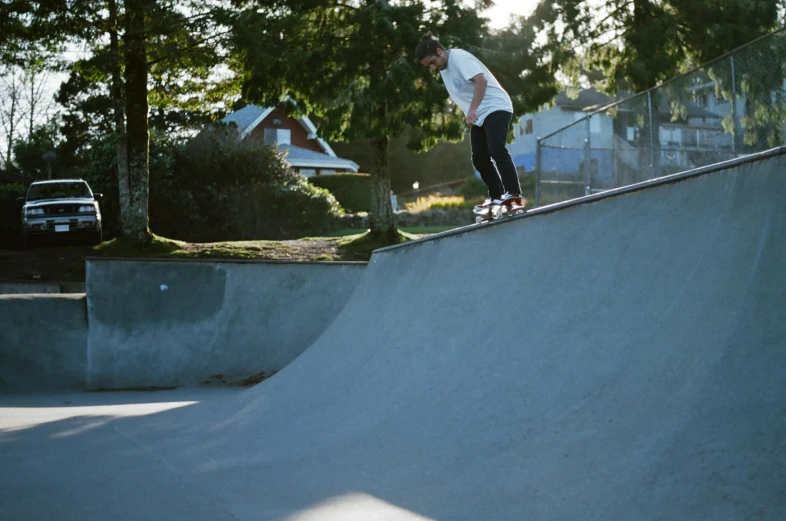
42, 341
27, 288
180, 323
169, 323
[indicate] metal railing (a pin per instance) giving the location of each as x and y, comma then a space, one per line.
732, 106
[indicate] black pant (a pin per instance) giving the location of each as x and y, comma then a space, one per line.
488, 143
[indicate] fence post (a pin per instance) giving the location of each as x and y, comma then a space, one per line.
733, 107
587, 160
652, 134
537, 174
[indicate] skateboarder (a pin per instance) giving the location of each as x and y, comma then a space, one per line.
488, 110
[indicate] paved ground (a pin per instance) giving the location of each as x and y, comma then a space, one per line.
620, 359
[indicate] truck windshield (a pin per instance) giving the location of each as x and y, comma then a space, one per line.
70, 189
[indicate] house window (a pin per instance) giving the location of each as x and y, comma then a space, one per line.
308, 172
327, 171
528, 127
281, 136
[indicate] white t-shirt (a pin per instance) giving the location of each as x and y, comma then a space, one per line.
462, 66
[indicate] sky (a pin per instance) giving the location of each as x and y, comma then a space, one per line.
503, 9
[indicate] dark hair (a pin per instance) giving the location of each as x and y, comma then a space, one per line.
427, 47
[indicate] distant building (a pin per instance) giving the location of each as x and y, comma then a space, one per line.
615, 142
306, 152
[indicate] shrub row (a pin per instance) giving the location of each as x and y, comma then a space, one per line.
10, 215
353, 191
217, 191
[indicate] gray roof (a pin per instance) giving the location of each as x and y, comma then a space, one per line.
587, 98
245, 117
297, 156
294, 153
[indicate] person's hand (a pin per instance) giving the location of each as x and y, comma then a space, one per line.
472, 116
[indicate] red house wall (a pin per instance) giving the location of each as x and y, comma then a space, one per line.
299, 135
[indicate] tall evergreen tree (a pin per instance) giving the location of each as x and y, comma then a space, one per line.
639, 44
352, 64
161, 54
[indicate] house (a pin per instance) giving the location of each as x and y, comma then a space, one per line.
615, 136
305, 151
564, 111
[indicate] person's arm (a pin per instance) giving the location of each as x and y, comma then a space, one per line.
480, 90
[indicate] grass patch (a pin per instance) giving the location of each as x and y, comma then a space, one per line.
347, 245
161, 248
359, 247
338, 233
442, 202
233, 250
158, 247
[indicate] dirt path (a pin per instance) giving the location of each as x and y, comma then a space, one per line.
67, 263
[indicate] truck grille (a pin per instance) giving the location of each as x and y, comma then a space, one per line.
61, 210
73, 224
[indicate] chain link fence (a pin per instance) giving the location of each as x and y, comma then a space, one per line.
733, 106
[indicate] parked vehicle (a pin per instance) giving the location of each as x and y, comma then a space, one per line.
64, 208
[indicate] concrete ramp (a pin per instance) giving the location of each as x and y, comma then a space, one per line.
619, 359
615, 360
173, 323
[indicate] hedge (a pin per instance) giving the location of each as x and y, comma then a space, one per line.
353, 191
11, 215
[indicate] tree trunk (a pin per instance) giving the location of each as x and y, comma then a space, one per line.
137, 228
642, 79
119, 114
382, 220
10, 119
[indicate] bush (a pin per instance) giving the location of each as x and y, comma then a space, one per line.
215, 189
353, 191
10, 215
437, 202
474, 187
282, 211
227, 191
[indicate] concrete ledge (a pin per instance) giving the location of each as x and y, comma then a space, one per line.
40, 288
42, 341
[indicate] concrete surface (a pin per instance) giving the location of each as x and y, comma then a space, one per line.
616, 360
181, 323
28, 288
42, 341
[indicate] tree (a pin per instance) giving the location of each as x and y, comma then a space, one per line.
29, 153
11, 114
157, 57
352, 64
639, 44
137, 227
25, 99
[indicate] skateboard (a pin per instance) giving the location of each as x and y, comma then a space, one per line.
509, 208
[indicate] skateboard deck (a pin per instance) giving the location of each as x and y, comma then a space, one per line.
495, 212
